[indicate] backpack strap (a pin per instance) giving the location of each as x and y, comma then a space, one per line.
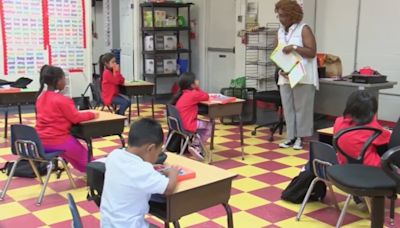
4, 169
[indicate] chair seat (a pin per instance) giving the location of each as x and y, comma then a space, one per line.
51, 155
269, 96
361, 180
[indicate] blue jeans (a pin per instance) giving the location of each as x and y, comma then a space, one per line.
122, 102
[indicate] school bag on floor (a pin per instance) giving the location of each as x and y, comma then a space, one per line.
24, 169
297, 188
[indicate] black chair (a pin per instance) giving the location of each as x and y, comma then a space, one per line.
322, 156
175, 127
361, 180
76, 218
273, 97
395, 137
95, 88
27, 145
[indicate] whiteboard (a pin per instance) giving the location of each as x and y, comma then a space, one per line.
379, 39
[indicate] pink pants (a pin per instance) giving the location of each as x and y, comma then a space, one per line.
204, 130
74, 152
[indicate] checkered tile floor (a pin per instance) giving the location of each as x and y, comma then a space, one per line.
255, 198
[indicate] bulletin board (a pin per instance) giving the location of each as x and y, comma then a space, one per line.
38, 32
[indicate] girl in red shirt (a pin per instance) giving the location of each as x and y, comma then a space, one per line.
361, 109
186, 101
55, 114
111, 78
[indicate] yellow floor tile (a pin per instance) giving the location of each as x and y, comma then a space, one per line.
245, 201
29, 192
106, 143
289, 151
243, 220
192, 219
254, 141
216, 157
250, 160
248, 171
248, 184
292, 161
282, 185
10, 210
289, 172
57, 214
304, 222
311, 206
5, 151
253, 149
220, 140
79, 194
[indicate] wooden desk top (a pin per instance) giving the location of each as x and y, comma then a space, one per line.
326, 131
104, 116
138, 84
205, 174
211, 103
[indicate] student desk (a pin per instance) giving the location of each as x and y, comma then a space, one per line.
136, 89
210, 187
15, 98
325, 135
217, 110
332, 95
107, 124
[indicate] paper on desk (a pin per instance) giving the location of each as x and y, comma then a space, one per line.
285, 61
296, 74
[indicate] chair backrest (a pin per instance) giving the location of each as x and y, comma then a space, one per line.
76, 218
96, 91
360, 159
395, 137
174, 119
25, 142
322, 155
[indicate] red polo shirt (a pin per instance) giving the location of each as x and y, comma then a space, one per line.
109, 85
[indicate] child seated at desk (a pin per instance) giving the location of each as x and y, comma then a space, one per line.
111, 78
186, 101
361, 109
55, 114
131, 179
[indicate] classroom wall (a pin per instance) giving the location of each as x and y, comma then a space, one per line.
98, 43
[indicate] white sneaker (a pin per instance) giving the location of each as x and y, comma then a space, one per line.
297, 144
196, 152
286, 144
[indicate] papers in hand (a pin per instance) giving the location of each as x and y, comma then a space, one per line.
289, 63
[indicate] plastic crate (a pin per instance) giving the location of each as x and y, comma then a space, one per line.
249, 107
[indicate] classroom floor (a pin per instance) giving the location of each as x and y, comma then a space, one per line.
255, 198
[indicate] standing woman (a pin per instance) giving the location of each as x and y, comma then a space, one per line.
298, 102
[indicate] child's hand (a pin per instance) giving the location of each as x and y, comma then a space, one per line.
96, 115
197, 83
173, 171
116, 67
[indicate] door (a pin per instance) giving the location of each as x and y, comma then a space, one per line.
126, 38
220, 43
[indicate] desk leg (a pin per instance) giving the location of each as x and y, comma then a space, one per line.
152, 105
130, 110
5, 123
378, 212
241, 135
122, 140
176, 224
137, 106
19, 114
212, 133
229, 215
90, 148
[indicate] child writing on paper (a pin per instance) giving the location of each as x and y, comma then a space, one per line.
131, 179
361, 110
55, 113
186, 101
111, 78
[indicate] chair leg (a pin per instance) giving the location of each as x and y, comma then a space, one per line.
176, 224
207, 153
392, 209
168, 141
36, 171
46, 182
68, 171
335, 203
183, 148
3, 193
368, 203
305, 200
343, 212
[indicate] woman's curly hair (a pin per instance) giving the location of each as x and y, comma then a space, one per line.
291, 8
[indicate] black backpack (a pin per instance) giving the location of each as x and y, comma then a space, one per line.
297, 188
24, 169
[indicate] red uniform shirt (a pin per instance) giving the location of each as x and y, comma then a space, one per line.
187, 107
109, 85
55, 115
352, 142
